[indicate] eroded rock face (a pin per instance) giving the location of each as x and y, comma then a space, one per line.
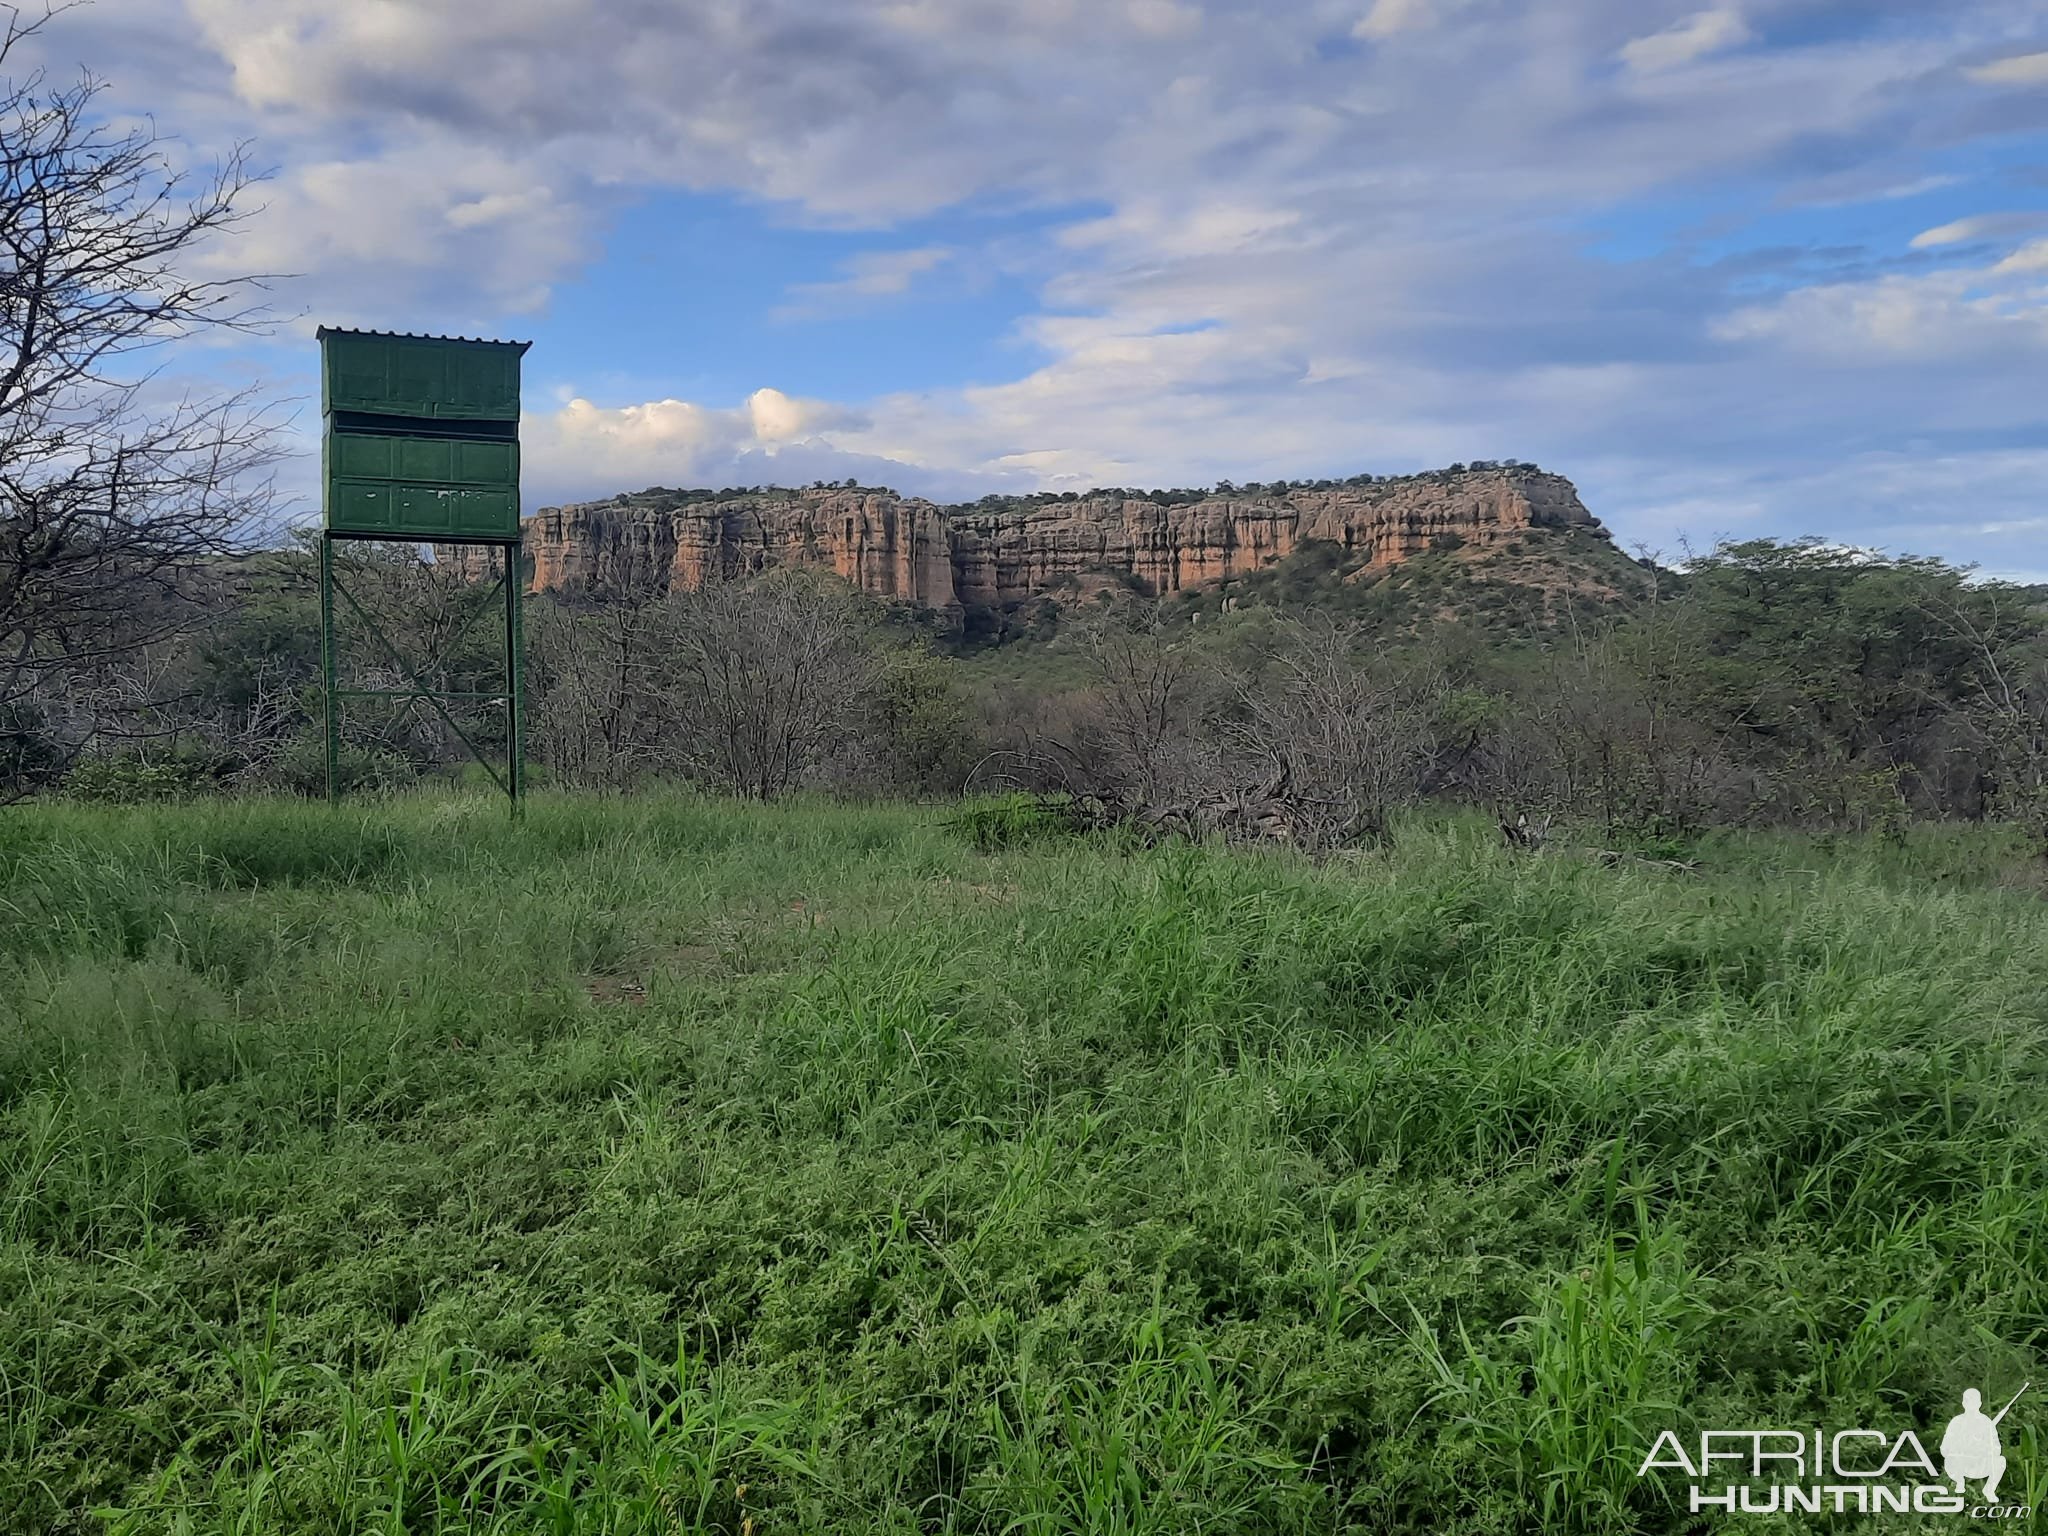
886, 544
958, 559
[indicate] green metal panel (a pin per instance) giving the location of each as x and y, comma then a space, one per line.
425, 460
422, 436
444, 378
394, 509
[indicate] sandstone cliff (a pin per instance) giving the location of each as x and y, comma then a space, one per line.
993, 556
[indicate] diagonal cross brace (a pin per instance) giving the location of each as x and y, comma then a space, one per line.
413, 679
469, 621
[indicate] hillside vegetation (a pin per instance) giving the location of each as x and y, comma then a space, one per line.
1768, 684
1525, 589
670, 1165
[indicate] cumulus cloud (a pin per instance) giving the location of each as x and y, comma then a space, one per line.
1260, 249
777, 418
1701, 34
658, 436
582, 449
586, 451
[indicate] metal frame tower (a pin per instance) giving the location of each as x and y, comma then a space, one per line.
421, 446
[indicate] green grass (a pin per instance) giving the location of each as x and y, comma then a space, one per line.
661, 1165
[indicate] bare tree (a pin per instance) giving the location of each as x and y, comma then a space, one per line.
112, 487
1313, 745
599, 677
2006, 702
1350, 740
770, 677
1138, 726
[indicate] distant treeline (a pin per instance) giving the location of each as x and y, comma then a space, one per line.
1788, 684
1176, 496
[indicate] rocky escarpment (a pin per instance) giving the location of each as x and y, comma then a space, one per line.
995, 555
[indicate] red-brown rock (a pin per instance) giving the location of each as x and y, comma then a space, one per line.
954, 559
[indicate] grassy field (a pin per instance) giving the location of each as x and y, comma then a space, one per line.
661, 1165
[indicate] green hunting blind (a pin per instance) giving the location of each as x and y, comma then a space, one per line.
422, 439
421, 446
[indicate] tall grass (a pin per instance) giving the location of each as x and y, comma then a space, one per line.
664, 1165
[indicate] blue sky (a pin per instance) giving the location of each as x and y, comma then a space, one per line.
705, 295
1773, 267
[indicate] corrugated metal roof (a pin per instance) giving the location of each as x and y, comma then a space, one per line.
479, 341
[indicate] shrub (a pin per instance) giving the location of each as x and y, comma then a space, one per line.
1019, 819
302, 768
132, 778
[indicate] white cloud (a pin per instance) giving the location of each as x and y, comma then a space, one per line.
1979, 227
1845, 191
2031, 257
1939, 317
2019, 69
1701, 34
864, 115
1388, 17
1950, 234
583, 449
779, 418
875, 274
463, 234
1164, 18
660, 431
1295, 258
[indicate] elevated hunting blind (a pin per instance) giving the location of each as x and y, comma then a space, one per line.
421, 446
422, 439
